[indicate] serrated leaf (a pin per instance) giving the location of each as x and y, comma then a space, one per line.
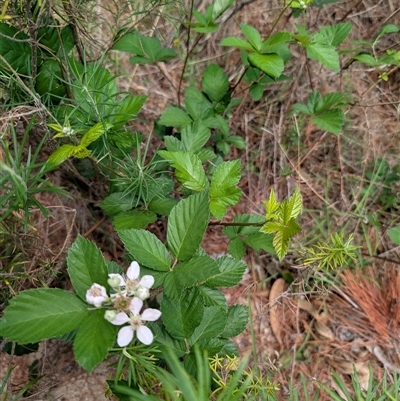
326, 54
252, 35
236, 322
223, 190
187, 223
39, 314
256, 91
163, 340
146, 248
271, 64
331, 121
198, 109
237, 248
189, 169
387, 29
295, 204
127, 109
174, 117
49, 80
181, 317
230, 272
93, 340
172, 143
86, 266
61, 154
215, 82
94, 133
136, 218
271, 206
233, 41
211, 326
333, 35
194, 137
367, 59
212, 297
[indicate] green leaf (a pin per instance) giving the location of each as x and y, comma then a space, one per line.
233, 41
181, 317
333, 35
271, 206
189, 169
146, 248
39, 314
94, 338
237, 248
386, 29
194, 137
94, 133
295, 204
127, 109
215, 82
16, 53
86, 266
198, 109
260, 241
220, 6
236, 322
394, 234
212, 297
148, 49
61, 154
174, 117
223, 190
49, 79
367, 59
277, 39
230, 272
187, 224
326, 54
136, 218
211, 326
190, 273
252, 35
256, 91
163, 206
331, 121
116, 203
270, 64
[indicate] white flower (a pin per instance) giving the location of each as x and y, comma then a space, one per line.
131, 285
136, 323
96, 295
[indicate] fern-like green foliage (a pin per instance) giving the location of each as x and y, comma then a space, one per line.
333, 254
281, 220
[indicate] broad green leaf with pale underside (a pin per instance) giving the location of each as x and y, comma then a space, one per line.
189, 169
223, 190
39, 314
146, 248
86, 265
271, 64
187, 224
93, 340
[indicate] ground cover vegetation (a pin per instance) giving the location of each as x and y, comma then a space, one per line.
156, 155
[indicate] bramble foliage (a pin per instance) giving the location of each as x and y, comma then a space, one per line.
190, 182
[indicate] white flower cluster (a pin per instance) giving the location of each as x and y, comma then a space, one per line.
126, 303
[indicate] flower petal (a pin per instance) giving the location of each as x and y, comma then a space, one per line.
125, 336
120, 318
147, 281
145, 335
133, 271
136, 305
150, 315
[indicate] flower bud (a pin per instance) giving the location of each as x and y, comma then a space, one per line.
114, 281
142, 292
110, 315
